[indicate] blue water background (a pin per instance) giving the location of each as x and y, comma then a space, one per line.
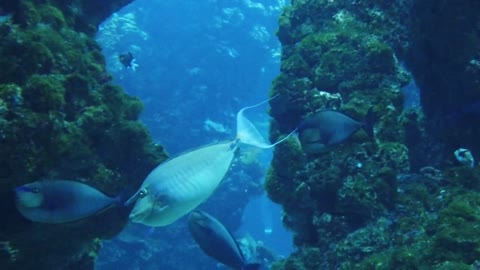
199, 63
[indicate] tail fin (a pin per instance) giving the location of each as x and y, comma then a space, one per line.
370, 120
252, 266
121, 199
247, 133
117, 201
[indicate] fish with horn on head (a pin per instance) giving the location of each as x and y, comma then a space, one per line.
180, 184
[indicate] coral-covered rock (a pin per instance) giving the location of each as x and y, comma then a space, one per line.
60, 118
445, 63
346, 201
378, 203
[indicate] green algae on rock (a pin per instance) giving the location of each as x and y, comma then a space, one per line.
379, 204
445, 62
60, 118
342, 49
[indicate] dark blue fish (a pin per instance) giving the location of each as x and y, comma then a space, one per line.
217, 242
126, 59
326, 128
60, 201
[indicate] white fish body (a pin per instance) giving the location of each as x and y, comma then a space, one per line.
179, 185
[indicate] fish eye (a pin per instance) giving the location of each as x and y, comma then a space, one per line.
143, 193
35, 190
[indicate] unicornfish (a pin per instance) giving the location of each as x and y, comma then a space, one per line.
217, 242
326, 128
180, 184
60, 201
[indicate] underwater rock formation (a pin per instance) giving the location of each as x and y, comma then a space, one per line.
374, 203
445, 61
61, 118
354, 184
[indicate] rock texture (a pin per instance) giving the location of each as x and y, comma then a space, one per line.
61, 118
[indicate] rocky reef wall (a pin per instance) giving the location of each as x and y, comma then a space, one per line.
444, 57
398, 200
61, 118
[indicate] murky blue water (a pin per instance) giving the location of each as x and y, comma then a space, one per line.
199, 62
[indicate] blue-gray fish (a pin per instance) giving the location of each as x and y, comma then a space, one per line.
217, 242
60, 201
326, 128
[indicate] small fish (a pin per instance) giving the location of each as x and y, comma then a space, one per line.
127, 60
465, 157
326, 128
217, 242
60, 201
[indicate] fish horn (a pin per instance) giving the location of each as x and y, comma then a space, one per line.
133, 198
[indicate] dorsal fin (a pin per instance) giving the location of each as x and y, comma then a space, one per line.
247, 133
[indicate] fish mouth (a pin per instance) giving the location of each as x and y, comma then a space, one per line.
141, 214
135, 217
196, 216
138, 216
198, 222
